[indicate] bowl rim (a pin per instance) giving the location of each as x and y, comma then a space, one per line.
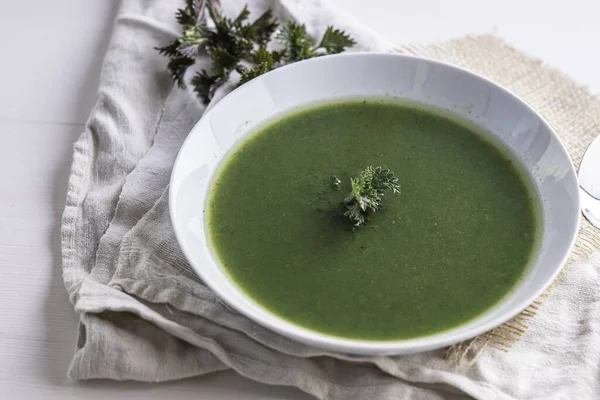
456, 334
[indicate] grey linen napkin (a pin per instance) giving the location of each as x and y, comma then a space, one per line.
145, 315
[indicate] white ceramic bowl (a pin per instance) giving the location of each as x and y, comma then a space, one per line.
516, 125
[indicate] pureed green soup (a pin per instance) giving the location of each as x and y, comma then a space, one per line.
451, 245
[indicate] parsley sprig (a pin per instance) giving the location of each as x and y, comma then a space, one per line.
235, 44
368, 189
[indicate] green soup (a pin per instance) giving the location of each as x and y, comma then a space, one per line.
450, 246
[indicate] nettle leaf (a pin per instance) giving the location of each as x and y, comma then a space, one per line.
178, 63
263, 56
335, 41
223, 59
249, 74
298, 45
178, 66
189, 15
264, 27
205, 84
171, 50
263, 62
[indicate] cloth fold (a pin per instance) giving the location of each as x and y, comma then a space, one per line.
145, 315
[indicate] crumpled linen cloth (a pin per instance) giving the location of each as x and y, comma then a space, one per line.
145, 315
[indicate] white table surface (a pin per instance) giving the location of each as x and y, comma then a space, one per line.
52, 52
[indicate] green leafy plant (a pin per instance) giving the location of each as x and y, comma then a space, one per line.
368, 189
239, 45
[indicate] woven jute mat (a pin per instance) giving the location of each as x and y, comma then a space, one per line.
567, 106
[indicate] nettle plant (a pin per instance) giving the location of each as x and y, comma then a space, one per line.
237, 46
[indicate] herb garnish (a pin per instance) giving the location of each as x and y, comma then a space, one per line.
368, 188
239, 45
335, 182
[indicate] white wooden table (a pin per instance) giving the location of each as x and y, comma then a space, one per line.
51, 56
